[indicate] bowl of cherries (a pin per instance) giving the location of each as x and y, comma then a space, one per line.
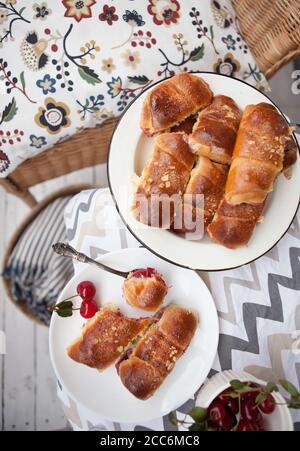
238, 401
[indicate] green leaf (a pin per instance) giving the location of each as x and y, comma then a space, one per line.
261, 397
9, 111
196, 427
237, 385
22, 10
173, 419
211, 29
289, 387
64, 313
64, 305
88, 75
139, 79
22, 79
64, 308
198, 414
270, 387
294, 404
197, 53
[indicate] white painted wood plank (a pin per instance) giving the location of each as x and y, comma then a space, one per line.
19, 382
2, 303
19, 379
49, 413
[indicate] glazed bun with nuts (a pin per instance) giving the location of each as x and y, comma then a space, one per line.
145, 289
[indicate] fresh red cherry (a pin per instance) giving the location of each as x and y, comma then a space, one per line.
216, 411
222, 396
86, 290
88, 308
247, 426
233, 405
226, 424
248, 410
268, 405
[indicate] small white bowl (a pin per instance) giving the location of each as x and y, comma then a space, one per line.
279, 420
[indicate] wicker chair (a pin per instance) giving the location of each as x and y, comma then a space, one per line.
271, 28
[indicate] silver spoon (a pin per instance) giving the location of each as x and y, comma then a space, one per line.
65, 250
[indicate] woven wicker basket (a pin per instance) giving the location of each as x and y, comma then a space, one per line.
85, 149
271, 28
70, 190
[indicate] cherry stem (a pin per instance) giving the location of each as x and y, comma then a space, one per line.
71, 297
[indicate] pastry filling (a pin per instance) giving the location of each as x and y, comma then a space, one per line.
147, 273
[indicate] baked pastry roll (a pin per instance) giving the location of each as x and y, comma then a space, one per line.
105, 337
172, 101
209, 179
215, 131
145, 289
157, 352
163, 180
290, 154
258, 155
233, 225
185, 126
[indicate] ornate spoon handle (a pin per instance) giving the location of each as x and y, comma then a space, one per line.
65, 250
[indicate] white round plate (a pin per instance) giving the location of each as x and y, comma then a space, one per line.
102, 392
130, 149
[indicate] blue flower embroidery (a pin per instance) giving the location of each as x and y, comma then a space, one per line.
37, 141
229, 42
47, 84
115, 87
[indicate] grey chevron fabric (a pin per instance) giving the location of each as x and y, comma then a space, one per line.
258, 305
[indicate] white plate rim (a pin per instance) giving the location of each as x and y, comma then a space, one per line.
116, 203
74, 397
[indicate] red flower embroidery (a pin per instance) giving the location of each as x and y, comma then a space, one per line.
108, 14
164, 11
79, 9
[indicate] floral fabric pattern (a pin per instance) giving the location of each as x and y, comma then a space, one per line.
164, 12
73, 65
53, 116
41, 11
78, 9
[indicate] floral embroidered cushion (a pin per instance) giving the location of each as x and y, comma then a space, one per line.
66, 65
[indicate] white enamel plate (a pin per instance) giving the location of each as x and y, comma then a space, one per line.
130, 149
102, 393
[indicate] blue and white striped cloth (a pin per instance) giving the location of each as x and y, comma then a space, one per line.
37, 274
